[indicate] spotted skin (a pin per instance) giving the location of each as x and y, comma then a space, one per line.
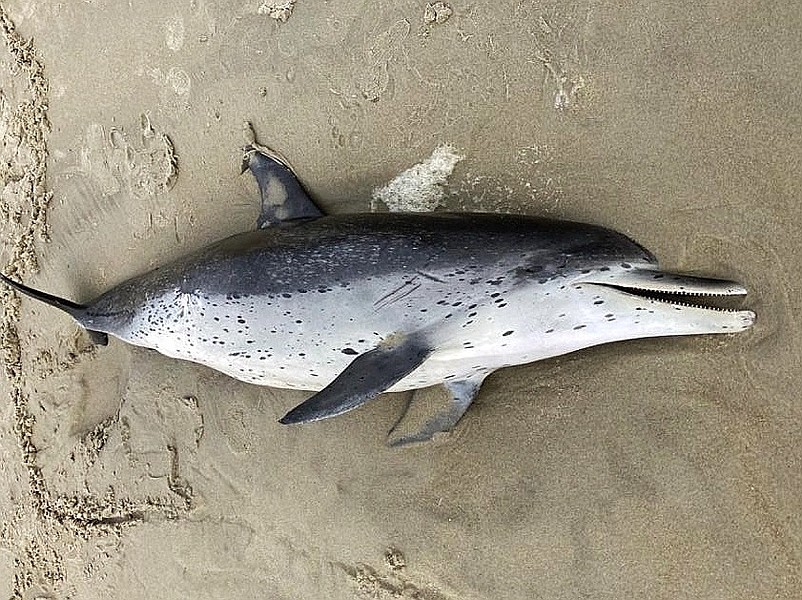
332, 287
315, 302
484, 290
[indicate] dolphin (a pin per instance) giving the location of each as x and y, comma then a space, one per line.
353, 305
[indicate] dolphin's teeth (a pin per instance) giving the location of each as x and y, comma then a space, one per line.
680, 292
671, 297
702, 306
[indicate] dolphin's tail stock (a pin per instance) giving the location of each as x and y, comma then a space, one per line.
73, 309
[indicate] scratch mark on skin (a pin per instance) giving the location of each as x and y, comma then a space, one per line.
391, 297
430, 277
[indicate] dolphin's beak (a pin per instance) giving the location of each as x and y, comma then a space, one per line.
659, 282
686, 304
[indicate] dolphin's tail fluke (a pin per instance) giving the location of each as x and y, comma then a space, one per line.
71, 308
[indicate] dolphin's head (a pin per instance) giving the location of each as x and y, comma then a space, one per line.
611, 276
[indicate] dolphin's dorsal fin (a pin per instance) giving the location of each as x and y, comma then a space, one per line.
283, 196
434, 410
366, 377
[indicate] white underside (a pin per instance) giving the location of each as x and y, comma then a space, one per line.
546, 320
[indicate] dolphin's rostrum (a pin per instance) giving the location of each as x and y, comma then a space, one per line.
354, 305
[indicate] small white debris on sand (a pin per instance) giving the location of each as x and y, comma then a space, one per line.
280, 10
419, 188
437, 12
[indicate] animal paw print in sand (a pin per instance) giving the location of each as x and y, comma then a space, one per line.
141, 165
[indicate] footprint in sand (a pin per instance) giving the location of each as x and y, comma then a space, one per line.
373, 78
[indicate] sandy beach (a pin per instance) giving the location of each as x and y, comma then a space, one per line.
664, 468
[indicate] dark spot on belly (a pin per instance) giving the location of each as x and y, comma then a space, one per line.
350, 351
506, 333
626, 265
580, 326
599, 302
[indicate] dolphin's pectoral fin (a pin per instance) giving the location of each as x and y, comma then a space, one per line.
365, 378
418, 424
98, 337
283, 196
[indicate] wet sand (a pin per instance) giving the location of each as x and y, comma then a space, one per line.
665, 468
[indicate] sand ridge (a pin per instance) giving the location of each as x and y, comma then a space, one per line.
45, 521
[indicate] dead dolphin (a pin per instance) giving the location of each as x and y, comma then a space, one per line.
354, 305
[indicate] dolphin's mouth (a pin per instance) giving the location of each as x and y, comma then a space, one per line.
673, 289
728, 301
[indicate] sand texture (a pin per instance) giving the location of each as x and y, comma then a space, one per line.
665, 468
